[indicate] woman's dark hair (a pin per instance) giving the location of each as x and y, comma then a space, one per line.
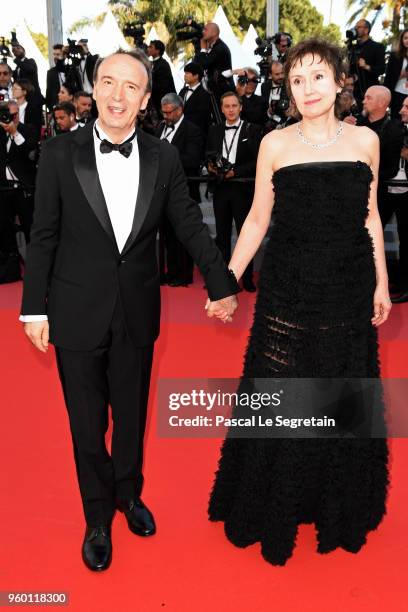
402, 51
26, 86
71, 89
328, 52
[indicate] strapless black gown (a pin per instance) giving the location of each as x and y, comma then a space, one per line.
312, 319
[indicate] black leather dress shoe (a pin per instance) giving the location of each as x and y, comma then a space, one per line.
97, 548
399, 298
140, 519
249, 285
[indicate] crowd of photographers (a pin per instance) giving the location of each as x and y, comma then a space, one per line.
216, 121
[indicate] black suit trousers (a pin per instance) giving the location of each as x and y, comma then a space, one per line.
232, 202
117, 374
388, 204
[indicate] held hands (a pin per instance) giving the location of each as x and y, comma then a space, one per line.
222, 309
10, 128
38, 333
382, 306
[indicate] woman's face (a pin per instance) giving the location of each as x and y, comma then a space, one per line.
19, 93
405, 40
64, 95
313, 86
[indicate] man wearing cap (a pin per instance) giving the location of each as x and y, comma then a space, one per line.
195, 98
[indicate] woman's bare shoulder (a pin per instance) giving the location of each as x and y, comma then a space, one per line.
362, 132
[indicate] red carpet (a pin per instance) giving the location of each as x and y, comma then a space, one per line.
189, 565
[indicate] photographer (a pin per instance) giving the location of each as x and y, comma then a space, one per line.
196, 99
18, 149
161, 74
366, 58
254, 107
26, 68
215, 57
86, 65
274, 91
30, 110
231, 151
6, 86
83, 107
55, 76
282, 42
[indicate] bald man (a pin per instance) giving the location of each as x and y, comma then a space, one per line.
215, 57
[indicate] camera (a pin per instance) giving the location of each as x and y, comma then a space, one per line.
189, 30
136, 30
220, 163
244, 79
351, 34
74, 55
5, 115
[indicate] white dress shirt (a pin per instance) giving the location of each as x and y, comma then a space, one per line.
229, 137
119, 178
168, 132
402, 84
86, 85
189, 93
19, 140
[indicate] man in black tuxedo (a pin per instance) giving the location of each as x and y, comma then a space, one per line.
396, 201
86, 66
26, 69
215, 58
368, 62
189, 141
18, 145
237, 142
161, 74
254, 107
92, 285
195, 98
55, 77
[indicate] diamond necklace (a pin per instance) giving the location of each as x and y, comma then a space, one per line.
322, 145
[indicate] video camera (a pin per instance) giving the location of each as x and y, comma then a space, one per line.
5, 115
221, 164
244, 79
189, 30
136, 30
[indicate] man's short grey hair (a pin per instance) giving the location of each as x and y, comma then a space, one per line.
137, 54
252, 71
172, 98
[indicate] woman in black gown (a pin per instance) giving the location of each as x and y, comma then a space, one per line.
323, 291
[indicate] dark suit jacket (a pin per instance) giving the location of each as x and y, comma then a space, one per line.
254, 109
53, 87
74, 271
215, 62
374, 54
391, 135
393, 71
33, 116
17, 158
247, 147
197, 107
162, 81
90, 62
189, 141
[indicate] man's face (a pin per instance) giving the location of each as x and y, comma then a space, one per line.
171, 113
370, 102
277, 74
362, 29
57, 54
84, 47
83, 106
120, 92
348, 84
283, 45
18, 93
209, 32
231, 108
190, 78
5, 76
18, 51
252, 83
152, 51
64, 121
404, 111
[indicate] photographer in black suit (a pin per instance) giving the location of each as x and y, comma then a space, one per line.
367, 61
162, 78
91, 286
215, 57
231, 151
26, 69
17, 173
254, 107
196, 100
55, 76
189, 141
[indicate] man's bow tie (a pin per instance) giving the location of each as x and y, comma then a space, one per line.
124, 148
231, 127
189, 89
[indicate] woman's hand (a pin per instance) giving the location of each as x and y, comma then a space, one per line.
382, 305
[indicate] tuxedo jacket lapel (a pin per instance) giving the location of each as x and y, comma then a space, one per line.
83, 157
148, 169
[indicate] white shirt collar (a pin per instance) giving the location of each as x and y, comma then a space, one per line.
176, 125
74, 127
237, 122
103, 135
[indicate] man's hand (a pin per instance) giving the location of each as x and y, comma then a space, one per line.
363, 64
404, 153
38, 332
222, 309
229, 174
10, 128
